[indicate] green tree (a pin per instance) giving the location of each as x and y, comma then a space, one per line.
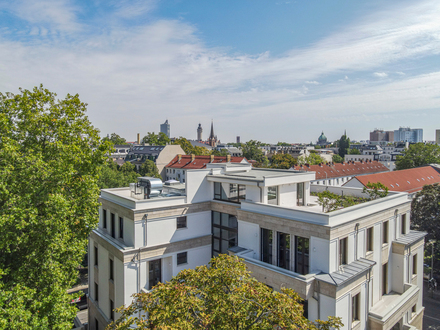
153, 139
222, 295
375, 190
148, 168
329, 201
190, 149
48, 205
418, 154
354, 151
115, 139
251, 150
312, 159
221, 152
425, 216
283, 144
344, 145
284, 161
337, 159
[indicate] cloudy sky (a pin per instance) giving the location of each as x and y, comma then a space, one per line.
266, 70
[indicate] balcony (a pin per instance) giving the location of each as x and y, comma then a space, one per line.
276, 277
392, 307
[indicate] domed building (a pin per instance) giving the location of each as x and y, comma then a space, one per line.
322, 140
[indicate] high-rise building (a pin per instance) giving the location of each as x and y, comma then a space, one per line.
406, 134
437, 136
238, 139
165, 128
379, 135
199, 132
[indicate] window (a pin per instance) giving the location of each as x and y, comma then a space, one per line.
355, 308
301, 255
403, 224
104, 219
182, 258
414, 265
111, 269
96, 292
155, 273
266, 245
224, 232
385, 232
96, 256
229, 192
96, 324
284, 250
181, 222
112, 219
343, 251
384, 278
112, 312
272, 195
300, 194
121, 227
369, 239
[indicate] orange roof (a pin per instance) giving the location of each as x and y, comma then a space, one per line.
338, 170
410, 180
200, 161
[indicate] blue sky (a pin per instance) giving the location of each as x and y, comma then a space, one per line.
266, 70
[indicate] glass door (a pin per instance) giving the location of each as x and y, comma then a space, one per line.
155, 273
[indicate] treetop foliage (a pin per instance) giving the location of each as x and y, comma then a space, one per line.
222, 295
418, 154
48, 204
312, 159
115, 139
283, 161
190, 149
153, 139
344, 145
375, 190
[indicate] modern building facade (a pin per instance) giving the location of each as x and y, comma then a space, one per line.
406, 134
165, 128
379, 135
361, 263
437, 136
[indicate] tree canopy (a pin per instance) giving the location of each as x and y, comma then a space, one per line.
190, 149
375, 190
337, 159
48, 205
221, 152
344, 145
284, 161
251, 150
222, 295
312, 159
153, 139
115, 139
425, 216
418, 154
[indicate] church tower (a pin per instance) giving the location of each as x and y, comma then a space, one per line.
199, 132
212, 141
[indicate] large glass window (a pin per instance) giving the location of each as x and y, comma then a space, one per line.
272, 195
284, 250
343, 251
155, 273
112, 219
300, 194
355, 308
266, 245
229, 192
369, 239
224, 232
302, 255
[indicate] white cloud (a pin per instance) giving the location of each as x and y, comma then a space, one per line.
380, 74
313, 82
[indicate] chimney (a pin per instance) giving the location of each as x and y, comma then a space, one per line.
139, 139
179, 157
228, 158
193, 157
212, 159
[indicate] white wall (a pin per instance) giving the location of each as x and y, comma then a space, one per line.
327, 307
319, 254
139, 233
253, 193
131, 281
196, 257
119, 284
163, 230
198, 189
343, 310
287, 195
333, 258
103, 286
249, 237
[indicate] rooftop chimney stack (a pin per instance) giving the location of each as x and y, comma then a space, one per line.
212, 159
139, 139
193, 157
228, 158
179, 157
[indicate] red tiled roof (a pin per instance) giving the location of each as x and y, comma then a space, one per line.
200, 161
410, 181
337, 170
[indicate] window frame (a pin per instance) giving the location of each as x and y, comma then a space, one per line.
403, 224
182, 255
343, 251
96, 292
355, 308
113, 224
121, 227
111, 265
96, 256
104, 219
182, 222
369, 239
385, 232
414, 264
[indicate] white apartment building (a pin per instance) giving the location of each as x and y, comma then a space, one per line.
361, 263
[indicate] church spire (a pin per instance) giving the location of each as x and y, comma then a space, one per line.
211, 136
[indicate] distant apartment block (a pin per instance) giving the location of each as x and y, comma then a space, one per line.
379, 135
406, 134
361, 263
437, 136
165, 128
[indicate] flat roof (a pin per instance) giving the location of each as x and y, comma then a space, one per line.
260, 174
